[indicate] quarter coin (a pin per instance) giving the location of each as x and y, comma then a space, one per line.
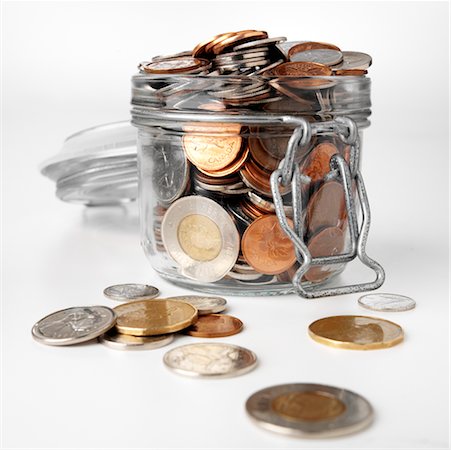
201, 237
120, 341
215, 360
356, 332
149, 318
131, 291
74, 325
215, 325
203, 304
387, 302
309, 410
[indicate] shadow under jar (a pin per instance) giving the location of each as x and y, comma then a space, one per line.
243, 180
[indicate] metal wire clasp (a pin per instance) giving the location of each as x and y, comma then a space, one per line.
289, 172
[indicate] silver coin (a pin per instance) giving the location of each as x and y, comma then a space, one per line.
260, 43
185, 54
130, 291
120, 341
201, 237
216, 360
170, 170
354, 60
309, 410
203, 304
74, 325
238, 56
387, 302
324, 56
244, 276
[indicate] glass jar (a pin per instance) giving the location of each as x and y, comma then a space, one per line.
251, 185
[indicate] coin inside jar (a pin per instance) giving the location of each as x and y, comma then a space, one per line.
215, 325
356, 332
266, 247
317, 164
309, 410
154, 317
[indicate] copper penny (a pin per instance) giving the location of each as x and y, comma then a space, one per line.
238, 38
212, 147
328, 242
215, 325
317, 164
302, 69
327, 207
261, 156
232, 168
351, 72
304, 46
266, 247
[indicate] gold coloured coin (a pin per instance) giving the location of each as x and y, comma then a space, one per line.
356, 332
154, 317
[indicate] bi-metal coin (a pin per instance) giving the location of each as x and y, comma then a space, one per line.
216, 360
130, 291
150, 318
74, 325
204, 305
356, 332
120, 341
309, 410
387, 302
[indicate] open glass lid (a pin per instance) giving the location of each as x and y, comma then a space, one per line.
96, 166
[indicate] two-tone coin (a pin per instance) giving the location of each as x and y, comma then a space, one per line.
214, 326
201, 237
74, 325
150, 318
203, 304
119, 341
130, 291
309, 410
356, 332
211, 360
387, 302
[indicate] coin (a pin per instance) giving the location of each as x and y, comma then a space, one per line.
266, 247
215, 325
74, 325
354, 60
328, 57
387, 302
215, 360
309, 410
149, 318
130, 291
304, 46
201, 237
317, 164
174, 65
259, 43
302, 69
120, 341
356, 332
203, 304
351, 72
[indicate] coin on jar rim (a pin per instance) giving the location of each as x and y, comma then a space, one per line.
309, 410
201, 237
130, 291
387, 302
74, 325
215, 325
211, 360
356, 332
354, 60
309, 45
302, 69
150, 318
120, 341
174, 65
203, 304
328, 57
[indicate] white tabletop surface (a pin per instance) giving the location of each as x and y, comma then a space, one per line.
57, 255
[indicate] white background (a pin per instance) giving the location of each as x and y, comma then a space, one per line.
67, 66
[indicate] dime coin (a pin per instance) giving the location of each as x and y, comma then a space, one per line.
356, 332
201, 237
203, 304
74, 325
149, 318
215, 325
215, 360
354, 60
121, 341
387, 302
130, 291
309, 410
266, 247
323, 56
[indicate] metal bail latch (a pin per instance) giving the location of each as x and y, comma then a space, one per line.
289, 172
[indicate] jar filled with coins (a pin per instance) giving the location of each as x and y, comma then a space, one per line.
249, 151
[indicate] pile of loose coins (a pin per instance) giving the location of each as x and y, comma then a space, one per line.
144, 321
223, 169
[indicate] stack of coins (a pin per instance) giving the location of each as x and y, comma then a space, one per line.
215, 215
